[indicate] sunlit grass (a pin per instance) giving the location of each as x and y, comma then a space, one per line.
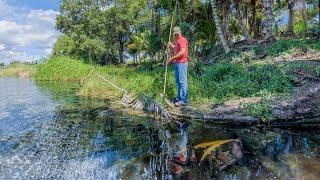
62, 68
18, 69
218, 83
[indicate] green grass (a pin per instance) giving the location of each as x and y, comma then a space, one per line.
289, 45
18, 69
217, 83
62, 68
262, 109
236, 75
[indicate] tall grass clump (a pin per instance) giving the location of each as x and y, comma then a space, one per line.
62, 68
141, 81
224, 81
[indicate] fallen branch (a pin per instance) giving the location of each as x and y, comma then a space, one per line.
224, 118
143, 104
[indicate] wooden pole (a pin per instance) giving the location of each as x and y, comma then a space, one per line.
168, 54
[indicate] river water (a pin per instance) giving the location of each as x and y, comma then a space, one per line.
47, 132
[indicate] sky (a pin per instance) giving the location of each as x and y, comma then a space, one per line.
27, 29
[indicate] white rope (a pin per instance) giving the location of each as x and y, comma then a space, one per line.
82, 81
112, 84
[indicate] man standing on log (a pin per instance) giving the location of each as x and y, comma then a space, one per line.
180, 61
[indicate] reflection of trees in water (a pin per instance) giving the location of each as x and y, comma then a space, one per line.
267, 154
60, 91
280, 154
85, 128
100, 129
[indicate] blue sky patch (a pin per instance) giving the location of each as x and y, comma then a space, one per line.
27, 29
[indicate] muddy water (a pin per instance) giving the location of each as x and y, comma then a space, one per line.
46, 132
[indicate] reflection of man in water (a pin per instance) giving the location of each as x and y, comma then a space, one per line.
181, 154
180, 150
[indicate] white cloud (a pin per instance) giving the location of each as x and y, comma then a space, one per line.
48, 51
5, 9
28, 33
13, 27
48, 16
9, 56
2, 47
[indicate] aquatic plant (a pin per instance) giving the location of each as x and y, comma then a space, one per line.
212, 145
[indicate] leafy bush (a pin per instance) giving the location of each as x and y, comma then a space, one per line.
313, 31
300, 27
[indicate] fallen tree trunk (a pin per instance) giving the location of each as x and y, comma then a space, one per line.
223, 118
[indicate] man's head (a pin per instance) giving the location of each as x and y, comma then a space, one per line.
176, 31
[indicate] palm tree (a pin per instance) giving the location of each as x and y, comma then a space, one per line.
237, 14
291, 15
219, 27
269, 18
155, 40
139, 44
226, 18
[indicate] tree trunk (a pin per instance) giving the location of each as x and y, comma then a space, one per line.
218, 26
191, 11
290, 22
90, 58
304, 11
181, 11
242, 27
155, 29
121, 50
227, 19
269, 18
253, 24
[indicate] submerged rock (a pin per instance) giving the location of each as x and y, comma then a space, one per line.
236, 150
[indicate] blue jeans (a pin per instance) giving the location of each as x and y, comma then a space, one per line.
181, 75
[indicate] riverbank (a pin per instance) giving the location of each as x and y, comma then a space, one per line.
249, 81
18, 70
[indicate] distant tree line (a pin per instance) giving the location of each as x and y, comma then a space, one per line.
111, 31
24, 62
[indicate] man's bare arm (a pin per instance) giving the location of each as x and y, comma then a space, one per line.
178, 55
170, 45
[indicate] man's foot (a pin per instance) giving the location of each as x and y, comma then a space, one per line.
180, 103
181, 160
174, 100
